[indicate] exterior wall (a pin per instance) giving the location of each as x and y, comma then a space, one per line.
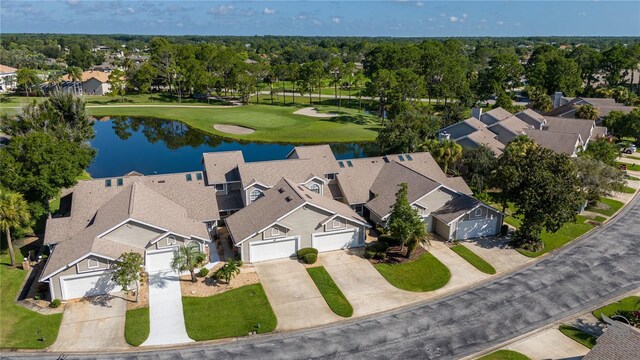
79, 268
247, 193
303, 222
164, 243
315, 181
442, 229
504, 135
375, 218
467, 143
268, 234
95, 87
134, 234
485, 213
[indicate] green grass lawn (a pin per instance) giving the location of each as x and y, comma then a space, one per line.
578, 335
233, 313
22, 328
633, 167
426, 273
600, 219
608, 207
504, 355
473, 259
271, 123
628, 177
336, 300
628, 190
136, 328
630, 303
632, 157
8, 101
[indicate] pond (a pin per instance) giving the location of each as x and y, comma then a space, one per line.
155, 146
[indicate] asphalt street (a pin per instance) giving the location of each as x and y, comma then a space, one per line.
584, 274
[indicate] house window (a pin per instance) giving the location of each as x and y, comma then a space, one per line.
255, 195
93, 263
478, 212
107, 183
219, 187
171, 240
315, 188
188, 177
119, 182
275, 231
336, 223
331, 176
198, 176
358, 208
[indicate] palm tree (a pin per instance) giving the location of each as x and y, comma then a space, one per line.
75, 74
587, 112
520, 145
186, 258
228, 270
54, 79
14, 213
445, 152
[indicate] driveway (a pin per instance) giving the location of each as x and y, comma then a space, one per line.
549, 344
497, 252
364, 287
462, 273
95, 323
294, 297
166, 316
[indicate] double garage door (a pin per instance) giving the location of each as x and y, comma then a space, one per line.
88, 285
476, 228
287, 247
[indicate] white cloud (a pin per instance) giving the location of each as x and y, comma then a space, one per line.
179, 24
517, 24
317, 22
453, 19
301, 17
500, 23
268, 11
336, 20
582, 13
125, 11
443, 14
420, 3
221, 10
72, 2
431, 19
483, 20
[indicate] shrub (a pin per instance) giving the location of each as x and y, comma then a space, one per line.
380, 230
378, 247
368, 254
380, 256
388, 240
304, 251
55, 303
310, 258
200, 258
504, 230
203, 272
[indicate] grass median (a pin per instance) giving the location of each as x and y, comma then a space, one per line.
336, 300
578, 335
426, 273
137, 326
473, 259
505, 355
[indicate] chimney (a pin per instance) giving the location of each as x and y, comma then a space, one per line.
557, 97
476, 112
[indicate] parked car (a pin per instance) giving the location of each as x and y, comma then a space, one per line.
629, 149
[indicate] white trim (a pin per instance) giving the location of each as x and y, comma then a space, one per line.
171, 240
333, 224
51, 290
71, 277
256, 183
312, 187
75, 262
251, 193
360, 232
97, 263
481, 204
277, 231
315, 177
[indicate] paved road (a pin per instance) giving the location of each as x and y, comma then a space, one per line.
603, 265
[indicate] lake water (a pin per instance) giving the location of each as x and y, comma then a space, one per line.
154, 146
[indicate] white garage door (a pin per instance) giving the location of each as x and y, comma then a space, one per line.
160, 261
335, 241
273, 249
476, 228
88, 285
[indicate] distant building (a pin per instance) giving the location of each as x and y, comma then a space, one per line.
566, 106
7, 78
93, 83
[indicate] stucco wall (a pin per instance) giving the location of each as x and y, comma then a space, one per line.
81, 266
134, 234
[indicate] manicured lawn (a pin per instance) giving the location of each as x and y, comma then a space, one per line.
22, 328
473, 259
566, 233
600, 219
136, 329
607, 207
236, 312
271, 123
632, 157
628, 190
630, 303
578, 335
632, 178
330, 292
504, 355
426, 273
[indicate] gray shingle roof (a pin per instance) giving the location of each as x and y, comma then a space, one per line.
220, 167
487, 138
618, 342
562, 143
456, 207
497, 114
531, 117
278, 201
513, 124
570, 126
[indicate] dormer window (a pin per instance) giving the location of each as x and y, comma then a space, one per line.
275, 231
255, 195
315, 188
171, 240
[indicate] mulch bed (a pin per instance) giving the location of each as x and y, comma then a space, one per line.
395, 256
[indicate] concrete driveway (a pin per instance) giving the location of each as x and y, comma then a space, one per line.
294, 297
364, 287
95, 323
497, 252
166, 316
462, 273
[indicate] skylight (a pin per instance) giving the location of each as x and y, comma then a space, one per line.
198, 176
107, 183
341, 164
188, 176
401, 157
119, 182
385, 159
349, 163
409, 157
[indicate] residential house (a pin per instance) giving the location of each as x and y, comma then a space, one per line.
7, 78
566, 107
92, 83
619, 341
270, 210
497, 127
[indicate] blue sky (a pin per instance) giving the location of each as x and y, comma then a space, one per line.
421, 18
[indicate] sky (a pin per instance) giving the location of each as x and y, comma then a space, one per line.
399, 18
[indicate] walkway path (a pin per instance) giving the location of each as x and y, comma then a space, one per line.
165, 310
580, 276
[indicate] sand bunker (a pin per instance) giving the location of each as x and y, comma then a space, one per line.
313, 112
233, 129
